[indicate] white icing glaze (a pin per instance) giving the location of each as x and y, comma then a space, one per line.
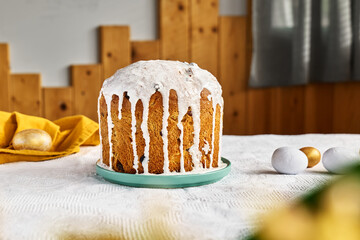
213, 135
99, 117
164, 130
221, 163
142, 79
206, 147
133, 131
144, 128
182, 165
110, 128
194, 150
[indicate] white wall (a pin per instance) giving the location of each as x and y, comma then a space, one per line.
47, 36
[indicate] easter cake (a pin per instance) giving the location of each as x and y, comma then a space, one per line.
160, 117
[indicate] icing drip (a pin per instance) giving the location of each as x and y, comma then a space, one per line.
213, 134
99, 117
144, 128
220, 163
206, 148
133, 131
110, 129
142, 79
182, 164
194, 150
121, 98
164, 129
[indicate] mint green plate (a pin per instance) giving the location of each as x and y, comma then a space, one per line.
164, 181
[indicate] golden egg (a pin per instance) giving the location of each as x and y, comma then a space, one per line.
313, 155
32, 139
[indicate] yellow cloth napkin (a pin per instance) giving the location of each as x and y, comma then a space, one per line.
68, 134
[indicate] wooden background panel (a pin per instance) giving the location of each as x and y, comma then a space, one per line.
289, 107
174, 29
318, 110
4, 76
145, 50
260, 112
58, 102
86, 81
204, 34
115, 49
231, 76
346, 115
190, 30
25, 93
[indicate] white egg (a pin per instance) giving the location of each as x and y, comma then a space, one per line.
289, 160
337, 158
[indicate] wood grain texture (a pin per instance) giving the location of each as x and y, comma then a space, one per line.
58, 102
145, 50
346, 115
249, 38
231, 76
204, 15
174, 29
86, 81
190, 30
4, 76
25, 94
115, 49
289, 110
318, 109
261, 111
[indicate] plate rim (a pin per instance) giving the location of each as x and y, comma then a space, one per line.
201, 177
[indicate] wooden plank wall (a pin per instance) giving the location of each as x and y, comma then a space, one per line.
25, 94
233, 79
4, 76
204, 34
145, 50
58, 102
174, 29
192, 31
115, 50
86, 81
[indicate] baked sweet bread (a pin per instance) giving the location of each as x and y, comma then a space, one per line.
160, 117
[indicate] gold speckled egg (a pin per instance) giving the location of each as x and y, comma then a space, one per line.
32, 139
313, 155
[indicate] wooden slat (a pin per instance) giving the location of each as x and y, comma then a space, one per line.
204, 34
87, 81
4, 76
346, 115
25, 94
145, 50
249, 38
231, 76
58, 102
288, 103
115, 49
174, 29
260, 112
318, 108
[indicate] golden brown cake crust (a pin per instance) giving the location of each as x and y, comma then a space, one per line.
155, 122
216, 149
123, 155
206, 128
188, 139
140, 141
104, 130
173, 133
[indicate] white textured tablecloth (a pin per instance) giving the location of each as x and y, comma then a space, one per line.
64, 198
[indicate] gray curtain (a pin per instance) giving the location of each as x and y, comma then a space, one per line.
301, 41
